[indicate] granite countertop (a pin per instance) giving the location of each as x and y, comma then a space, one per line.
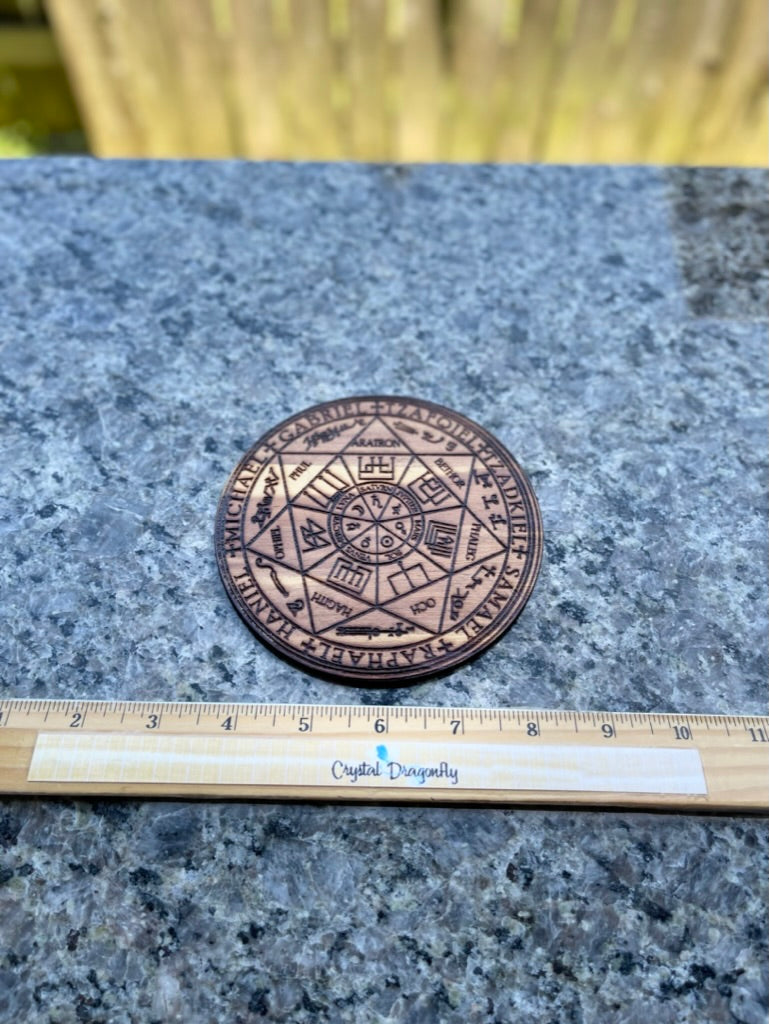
609, 326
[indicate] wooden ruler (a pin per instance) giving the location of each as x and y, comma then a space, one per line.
397, 754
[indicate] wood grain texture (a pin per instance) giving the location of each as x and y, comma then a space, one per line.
96, 72
733, 751
555, 80
378, 539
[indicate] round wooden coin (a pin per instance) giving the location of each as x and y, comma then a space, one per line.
378, 539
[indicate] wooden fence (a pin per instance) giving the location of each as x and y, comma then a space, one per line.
674, 81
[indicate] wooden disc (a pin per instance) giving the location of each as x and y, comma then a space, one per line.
378, 539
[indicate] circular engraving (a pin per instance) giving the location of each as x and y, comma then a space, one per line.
376, 522
378, 539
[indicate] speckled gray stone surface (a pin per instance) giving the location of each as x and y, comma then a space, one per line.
609, 325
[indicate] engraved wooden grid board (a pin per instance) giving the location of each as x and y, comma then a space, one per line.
375, 754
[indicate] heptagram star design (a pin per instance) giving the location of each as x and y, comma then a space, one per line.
382, 540
377, 533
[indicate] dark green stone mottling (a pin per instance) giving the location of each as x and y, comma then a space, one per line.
608, 324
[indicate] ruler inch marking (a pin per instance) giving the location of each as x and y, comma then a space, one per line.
721, 763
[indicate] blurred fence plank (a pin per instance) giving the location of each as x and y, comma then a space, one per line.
582, 72
737, 112
140, 40
418, 93
556, 80
311, 111
96, 74
528, 74
369, 75
251, 68
680, 81
199, 56
475, 44
625, 120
